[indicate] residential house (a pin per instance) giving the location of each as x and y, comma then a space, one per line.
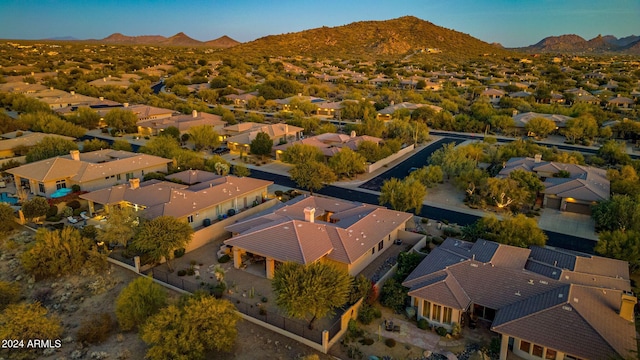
521, 120
23, 139
181, 122
546, 303
329, 109
241, 99
146, 112
620, 102
199, 198
494, 95
387, 113
583, 188
285, 104
329, 143
91, 170
240, 136
349, 235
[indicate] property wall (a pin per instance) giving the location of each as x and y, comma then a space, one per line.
220, 209
378, 164
368, 257
216, 230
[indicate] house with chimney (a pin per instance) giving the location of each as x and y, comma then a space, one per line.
195, 196
239, 136
349, 235
91, 170
545, 303
181, 122
568, 187
329, 143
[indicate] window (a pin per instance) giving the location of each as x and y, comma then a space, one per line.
446, 319
380, 245
437, 311
426, 307
537, 350
129, 176
190, 219
550, 354
61, 184
41, 187
525, 346
118, 177
373, 250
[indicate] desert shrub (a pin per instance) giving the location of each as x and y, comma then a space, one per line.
182, 272
9, 293
89, 232
224, 259
441, 331
451, 232
95, 329
77, 212
437, 241
42, 295
53, 211
138, 301
74, 204
456, 329
423, 324
366, 341
367, 313
424, 220
75, 188
178, 253
390, 343
393, 295
66, 211
191, 272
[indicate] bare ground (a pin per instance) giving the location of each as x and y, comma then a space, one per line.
75, 298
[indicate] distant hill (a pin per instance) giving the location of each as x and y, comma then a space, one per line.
179, 39
576, 44
391, 39
62, 38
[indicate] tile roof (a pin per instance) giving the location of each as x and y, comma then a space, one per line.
27, 139
354, 228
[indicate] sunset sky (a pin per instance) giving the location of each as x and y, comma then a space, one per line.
512, 23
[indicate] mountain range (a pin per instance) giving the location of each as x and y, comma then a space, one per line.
399, 38
575, 44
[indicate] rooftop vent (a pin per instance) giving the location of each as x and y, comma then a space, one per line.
568, 308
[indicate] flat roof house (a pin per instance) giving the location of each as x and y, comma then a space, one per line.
545, 303
308, 229
91, 170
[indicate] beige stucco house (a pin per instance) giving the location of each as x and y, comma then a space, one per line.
26, 139
545, 303
239, 136
200, 198
346, 234
181, 122
91, 170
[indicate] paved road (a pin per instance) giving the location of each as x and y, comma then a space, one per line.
565, 147
431, 212
417, 160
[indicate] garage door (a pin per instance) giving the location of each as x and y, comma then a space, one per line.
553, 203
579, 208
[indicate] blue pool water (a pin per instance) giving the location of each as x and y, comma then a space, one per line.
60, 193
4, 197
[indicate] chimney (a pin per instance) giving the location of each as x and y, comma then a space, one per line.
125, 104
194, 113
134, 183
353, 133
537, 158
515, 112
286, 129
73, 92
101, 98
75, 155
627, 305
309, 214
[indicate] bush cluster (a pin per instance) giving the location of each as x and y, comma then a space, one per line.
95, 329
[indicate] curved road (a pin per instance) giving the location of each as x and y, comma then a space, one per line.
431, 212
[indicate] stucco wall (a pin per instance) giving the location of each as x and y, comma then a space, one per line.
378, 164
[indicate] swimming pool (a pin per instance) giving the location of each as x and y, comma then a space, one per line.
4, 197
60, 192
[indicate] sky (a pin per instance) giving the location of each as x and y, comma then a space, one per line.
512, 23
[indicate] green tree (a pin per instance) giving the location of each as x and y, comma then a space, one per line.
347, 163
162, 146
120, 119
35, 207
310, 291
540, 126
26, 321
312, 175
120, 226
620, 212
582, 128
621, 245
261, 145
204, 137
62, 252
93, 145
139, 300
614, 153
518, 231
171, 131
10, 293
429, 175
506, 192
86, 117
121, 144
49, 147
528, 181
159, 237
202, 325
7, 218
51, 124
241, 171
403, 195
300, 153
452, 160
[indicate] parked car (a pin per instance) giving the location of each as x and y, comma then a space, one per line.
221, 151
